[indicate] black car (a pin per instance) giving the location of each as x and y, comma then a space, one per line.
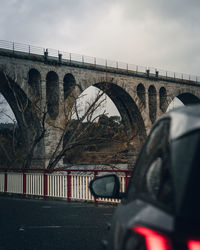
161, 208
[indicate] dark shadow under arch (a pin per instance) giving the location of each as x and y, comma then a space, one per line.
141, 93
188, 98
34, 80
68, 84
163, 99
152, 103
52, 94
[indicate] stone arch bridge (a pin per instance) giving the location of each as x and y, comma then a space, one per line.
139, 97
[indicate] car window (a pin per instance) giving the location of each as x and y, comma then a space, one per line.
152, 174
153, 177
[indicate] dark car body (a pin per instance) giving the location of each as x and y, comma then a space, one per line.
161, 208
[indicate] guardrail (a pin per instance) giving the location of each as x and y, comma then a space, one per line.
60, 183
62, 57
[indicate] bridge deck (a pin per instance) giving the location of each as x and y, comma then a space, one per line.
57, 57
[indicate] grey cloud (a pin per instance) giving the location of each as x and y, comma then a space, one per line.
154, 32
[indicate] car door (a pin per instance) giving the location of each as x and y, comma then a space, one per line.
150, 184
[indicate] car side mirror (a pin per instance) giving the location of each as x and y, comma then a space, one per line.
106, 186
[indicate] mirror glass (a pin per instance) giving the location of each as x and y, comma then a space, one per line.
104, 186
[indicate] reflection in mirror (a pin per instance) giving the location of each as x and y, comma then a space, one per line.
105, 186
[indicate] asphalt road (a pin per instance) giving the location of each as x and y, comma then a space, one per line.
38, 224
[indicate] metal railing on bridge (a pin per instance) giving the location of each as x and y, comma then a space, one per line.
70, 184
121, 67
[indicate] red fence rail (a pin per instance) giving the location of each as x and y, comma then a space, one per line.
70, 184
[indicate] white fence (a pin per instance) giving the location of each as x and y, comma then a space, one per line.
65, 184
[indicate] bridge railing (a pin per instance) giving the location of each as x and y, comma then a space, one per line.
70, 184
18, 48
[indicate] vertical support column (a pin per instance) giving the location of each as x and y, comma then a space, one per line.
69, 186
45, 186
95, 175
24, 184
5, 182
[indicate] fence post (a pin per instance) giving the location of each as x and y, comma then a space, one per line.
5, 182
95, 175
69, 188
45, 186
126, 180
24, 184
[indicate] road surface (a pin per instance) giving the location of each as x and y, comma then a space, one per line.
37, 224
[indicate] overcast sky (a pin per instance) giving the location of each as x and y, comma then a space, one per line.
158, 33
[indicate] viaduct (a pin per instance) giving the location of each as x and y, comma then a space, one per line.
140, 97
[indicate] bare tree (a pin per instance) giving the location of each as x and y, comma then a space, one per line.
79, 127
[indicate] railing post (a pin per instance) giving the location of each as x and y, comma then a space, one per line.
126, 180
95, 61
95, 175
147, 72
156, 72
13, 47
24, 184
59, 57
46, 54
45, 185
82, 59
116, 65
69, 187
5, 182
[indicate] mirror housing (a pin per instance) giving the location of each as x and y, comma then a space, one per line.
106, 186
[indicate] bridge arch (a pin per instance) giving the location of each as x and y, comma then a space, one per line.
141, 93
152, 94
34, 80
21, 106
188, 98
130, 114
69, 84
163, 99
52, 94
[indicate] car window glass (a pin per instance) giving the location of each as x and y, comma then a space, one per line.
151, 176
